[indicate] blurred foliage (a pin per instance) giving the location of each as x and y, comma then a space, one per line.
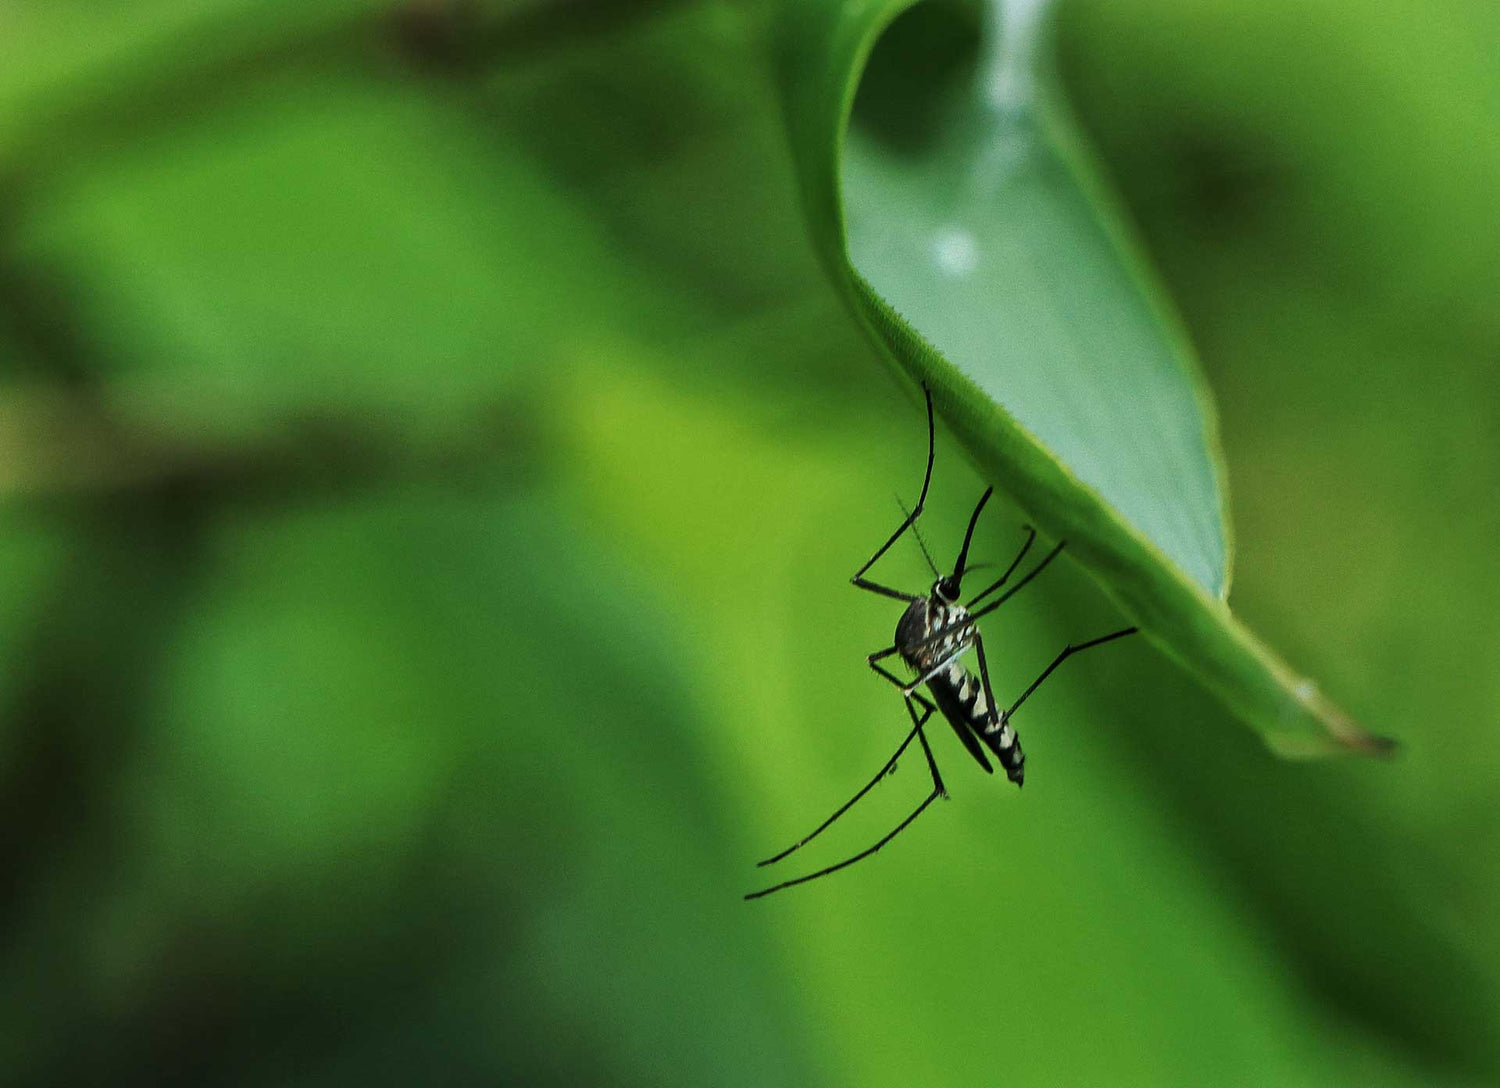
433, 459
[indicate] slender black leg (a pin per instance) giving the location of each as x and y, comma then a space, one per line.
1067, 653
964, 734
984, 723
1014, 563
1013, 590
908, 691
859, 578
984, 679
892, 677
941, 666
889, 766
938, 790
909, 687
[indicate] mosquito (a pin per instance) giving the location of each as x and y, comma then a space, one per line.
932, 635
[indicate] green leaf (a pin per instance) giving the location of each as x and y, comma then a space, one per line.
960, 219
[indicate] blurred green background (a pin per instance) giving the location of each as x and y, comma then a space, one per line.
433, 461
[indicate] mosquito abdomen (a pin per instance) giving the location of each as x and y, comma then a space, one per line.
960, 695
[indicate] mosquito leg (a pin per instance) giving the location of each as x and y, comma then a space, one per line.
890, 765
937, 791
1014, 563
910, 689
859, 578
893, 678
997, 733
1067, 653
988, 696
1013, 590
965, 734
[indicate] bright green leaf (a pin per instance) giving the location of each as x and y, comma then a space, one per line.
959, 218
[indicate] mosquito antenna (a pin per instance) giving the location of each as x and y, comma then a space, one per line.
920, 542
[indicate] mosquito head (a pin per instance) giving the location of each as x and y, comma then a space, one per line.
946, 590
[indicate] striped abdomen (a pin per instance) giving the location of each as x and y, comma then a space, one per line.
960, 696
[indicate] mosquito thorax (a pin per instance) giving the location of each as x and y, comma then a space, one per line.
912, 628
925, 617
